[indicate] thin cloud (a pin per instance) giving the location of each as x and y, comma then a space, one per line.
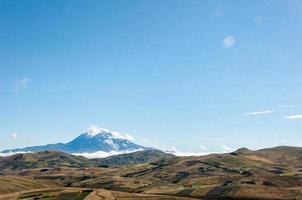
293, 117
103, 154
204, 151
286, 106
13, 153
15, 135
176, 152
22, 84
94, 130
265, 112
144, 140
98, 154
185, 154
226, 149
204, 148
228, 41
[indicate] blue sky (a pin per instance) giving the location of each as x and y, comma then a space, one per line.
194, 75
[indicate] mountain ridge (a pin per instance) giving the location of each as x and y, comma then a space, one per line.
55, 159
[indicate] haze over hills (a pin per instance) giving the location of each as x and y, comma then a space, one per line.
92, 141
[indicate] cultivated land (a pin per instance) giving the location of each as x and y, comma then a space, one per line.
267, 174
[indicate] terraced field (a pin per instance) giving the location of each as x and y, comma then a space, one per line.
11, 184
49, 194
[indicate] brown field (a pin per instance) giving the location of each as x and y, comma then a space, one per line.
263, 175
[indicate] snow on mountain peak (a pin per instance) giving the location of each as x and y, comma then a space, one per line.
95, 130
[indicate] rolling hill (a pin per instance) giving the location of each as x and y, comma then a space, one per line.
43, 159
57, 159
147, 156
267, 174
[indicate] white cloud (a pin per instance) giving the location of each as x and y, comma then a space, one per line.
293, 117
203, 148
109, 141
286, 106
22, 84
259, 113
103, 154
177, 152
15, 135
98, 154
94, 130
228, 41
226, 149
122, 136
13, 153
181, 153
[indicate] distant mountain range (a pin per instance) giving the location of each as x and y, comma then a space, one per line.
89, 142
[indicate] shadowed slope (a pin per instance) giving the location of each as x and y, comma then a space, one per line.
274, 173
138, 157
43, 159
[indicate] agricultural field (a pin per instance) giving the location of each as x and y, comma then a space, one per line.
268, 174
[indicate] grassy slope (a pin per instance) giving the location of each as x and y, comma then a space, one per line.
134, 158
10, 184
44, 159
265, 174
239, 174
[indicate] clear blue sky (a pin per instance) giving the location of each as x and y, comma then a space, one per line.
170, 73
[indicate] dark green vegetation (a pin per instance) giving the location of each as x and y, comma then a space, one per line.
48, 159
51, 194
56, 159
56, 195
134, 158
267, 174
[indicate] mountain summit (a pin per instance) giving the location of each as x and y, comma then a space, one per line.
94, 140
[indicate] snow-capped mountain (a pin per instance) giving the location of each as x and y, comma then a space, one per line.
94, 140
